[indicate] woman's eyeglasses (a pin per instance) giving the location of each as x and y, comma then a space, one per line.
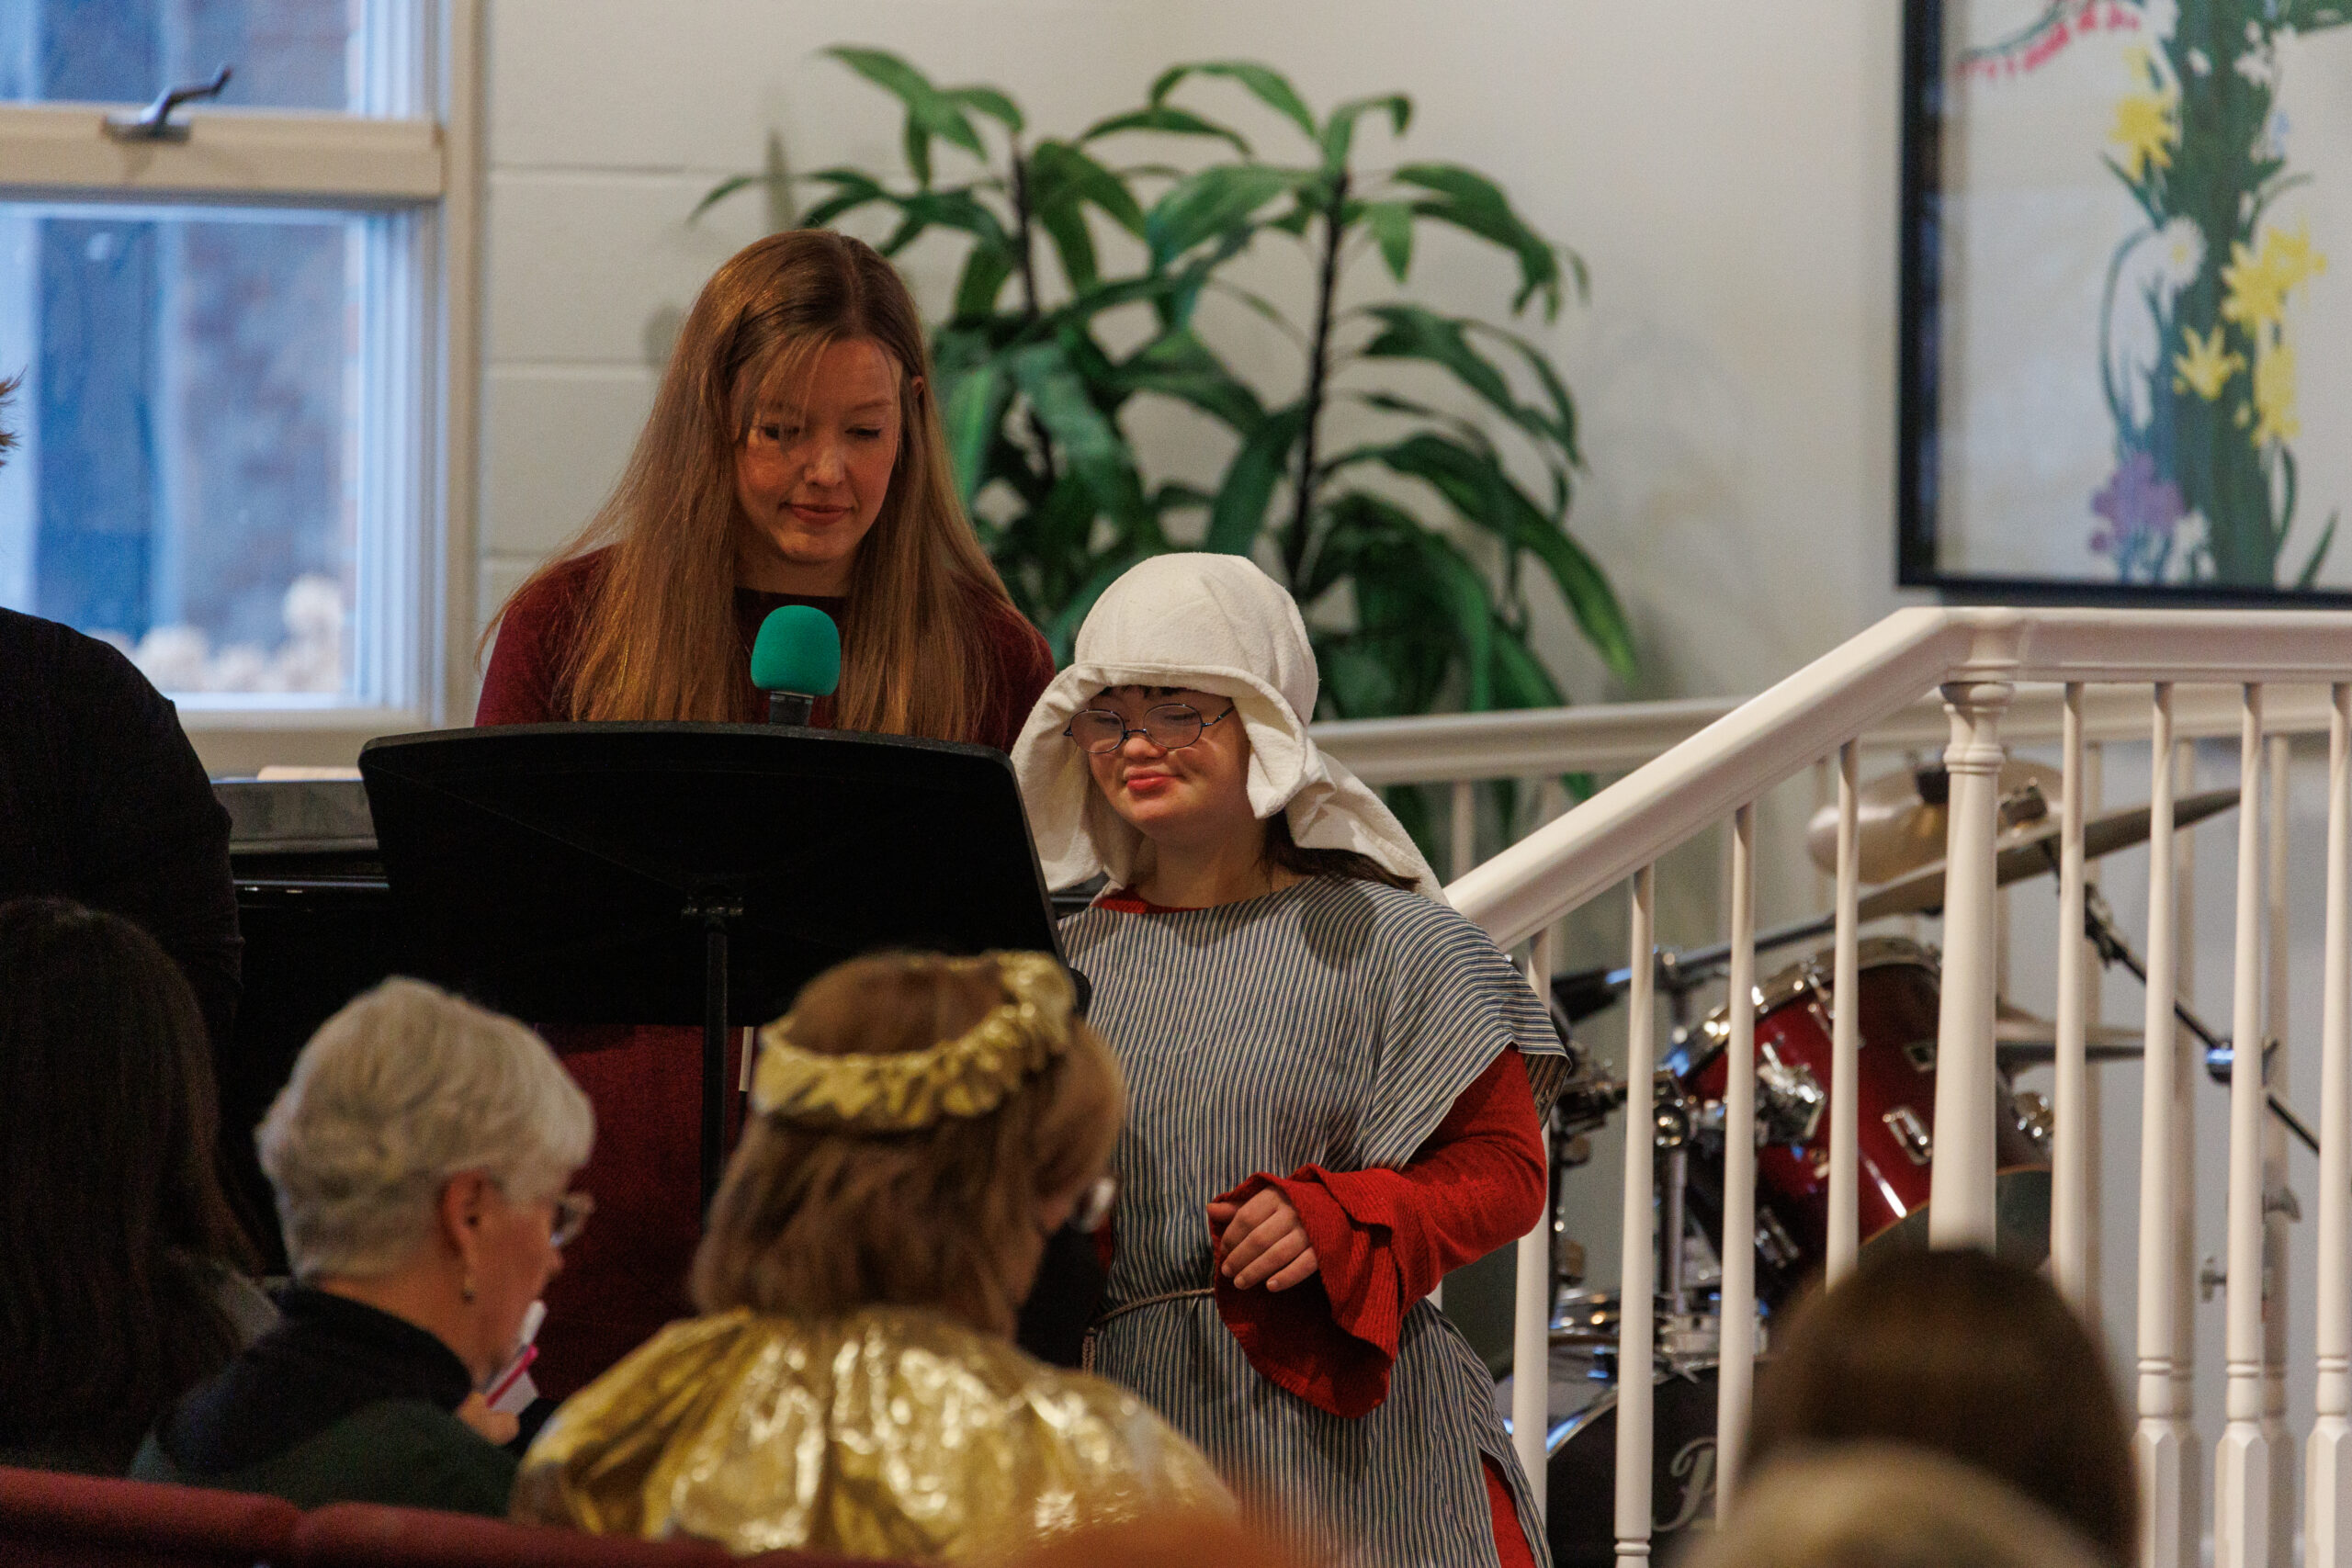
1171, 727
571, 1212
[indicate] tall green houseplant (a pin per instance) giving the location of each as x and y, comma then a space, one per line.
1065, 239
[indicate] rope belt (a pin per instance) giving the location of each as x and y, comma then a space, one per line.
1086, 1345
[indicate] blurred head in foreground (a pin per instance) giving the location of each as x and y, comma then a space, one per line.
922, 1183
924, 1124
1873, 1506
1968, 1356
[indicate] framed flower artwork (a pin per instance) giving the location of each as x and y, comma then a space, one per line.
2127, 299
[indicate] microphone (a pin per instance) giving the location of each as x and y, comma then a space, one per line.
796, 658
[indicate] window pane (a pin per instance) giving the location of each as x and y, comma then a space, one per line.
193, 429
287, 54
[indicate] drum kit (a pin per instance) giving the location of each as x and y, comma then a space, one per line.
1903, 825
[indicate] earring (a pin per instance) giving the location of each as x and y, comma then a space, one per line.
467, 1289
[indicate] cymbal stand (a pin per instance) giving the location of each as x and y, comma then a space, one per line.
2100, 928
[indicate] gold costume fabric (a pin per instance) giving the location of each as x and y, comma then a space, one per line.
887, 1432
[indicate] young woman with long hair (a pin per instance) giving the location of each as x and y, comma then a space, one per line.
121, 1282
794, 455
1335, 1081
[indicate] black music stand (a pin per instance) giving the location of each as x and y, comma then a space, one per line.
662, 874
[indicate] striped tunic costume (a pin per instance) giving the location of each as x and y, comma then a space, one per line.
1331, 1023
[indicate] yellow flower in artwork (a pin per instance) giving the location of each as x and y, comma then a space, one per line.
2274, 396
2145, 130
2291, 256
2256, 284
2255, 292
2206, 366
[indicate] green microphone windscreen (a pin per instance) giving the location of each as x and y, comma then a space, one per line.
798, 650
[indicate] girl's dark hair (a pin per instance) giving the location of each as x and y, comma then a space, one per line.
1283, 850
113, 1231
1968, 1356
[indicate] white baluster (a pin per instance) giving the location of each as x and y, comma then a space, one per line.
1960, 1190
1736, 1371
2163, 1438
2070, 1172
1637, 1268
2327, 1461
1463, 847
1530, 1340
2242, 1462
2094, 1083
1845, 1027
2276, 1289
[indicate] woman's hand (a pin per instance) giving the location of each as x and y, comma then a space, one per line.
1263, 1240
498, 1426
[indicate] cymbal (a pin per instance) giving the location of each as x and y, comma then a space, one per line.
2034, 852
1903, 823
2022, 1036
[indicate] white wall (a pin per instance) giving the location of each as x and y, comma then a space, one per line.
1728, 170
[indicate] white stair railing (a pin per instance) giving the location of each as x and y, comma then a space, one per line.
1865, 693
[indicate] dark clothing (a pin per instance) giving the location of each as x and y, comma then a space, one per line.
625, 1276
102, 801
340, 1403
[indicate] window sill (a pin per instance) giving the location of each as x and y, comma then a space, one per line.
237, 737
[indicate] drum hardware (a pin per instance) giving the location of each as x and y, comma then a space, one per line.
1911, 1134
2035, 1119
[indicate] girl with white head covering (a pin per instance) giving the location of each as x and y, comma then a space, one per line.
1335, 1081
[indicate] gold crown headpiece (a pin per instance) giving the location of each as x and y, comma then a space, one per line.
968, 1075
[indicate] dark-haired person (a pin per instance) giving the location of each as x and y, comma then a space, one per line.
1968, 1356
794, 455
1335, 1079
102, 800
924, 1124
121, 1281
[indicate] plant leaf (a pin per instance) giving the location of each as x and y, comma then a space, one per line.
971, 412
1168, 119
1340, 130
1391, 223
985, 272
852, 189
1474, 204
1059, 173
1476, 486
1179, 365
1091, 444
2310, 574
929, 112
721, 191
944, 210
1410, 332
1272, 88
1217, 200
1250, 481
990, 102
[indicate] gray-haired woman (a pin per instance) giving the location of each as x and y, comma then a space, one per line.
421, 1154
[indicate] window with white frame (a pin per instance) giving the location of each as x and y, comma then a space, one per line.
234, 455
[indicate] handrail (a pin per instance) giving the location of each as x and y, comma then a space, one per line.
1860, 685
1607, 737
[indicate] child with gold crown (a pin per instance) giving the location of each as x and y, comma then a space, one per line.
924, 1124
